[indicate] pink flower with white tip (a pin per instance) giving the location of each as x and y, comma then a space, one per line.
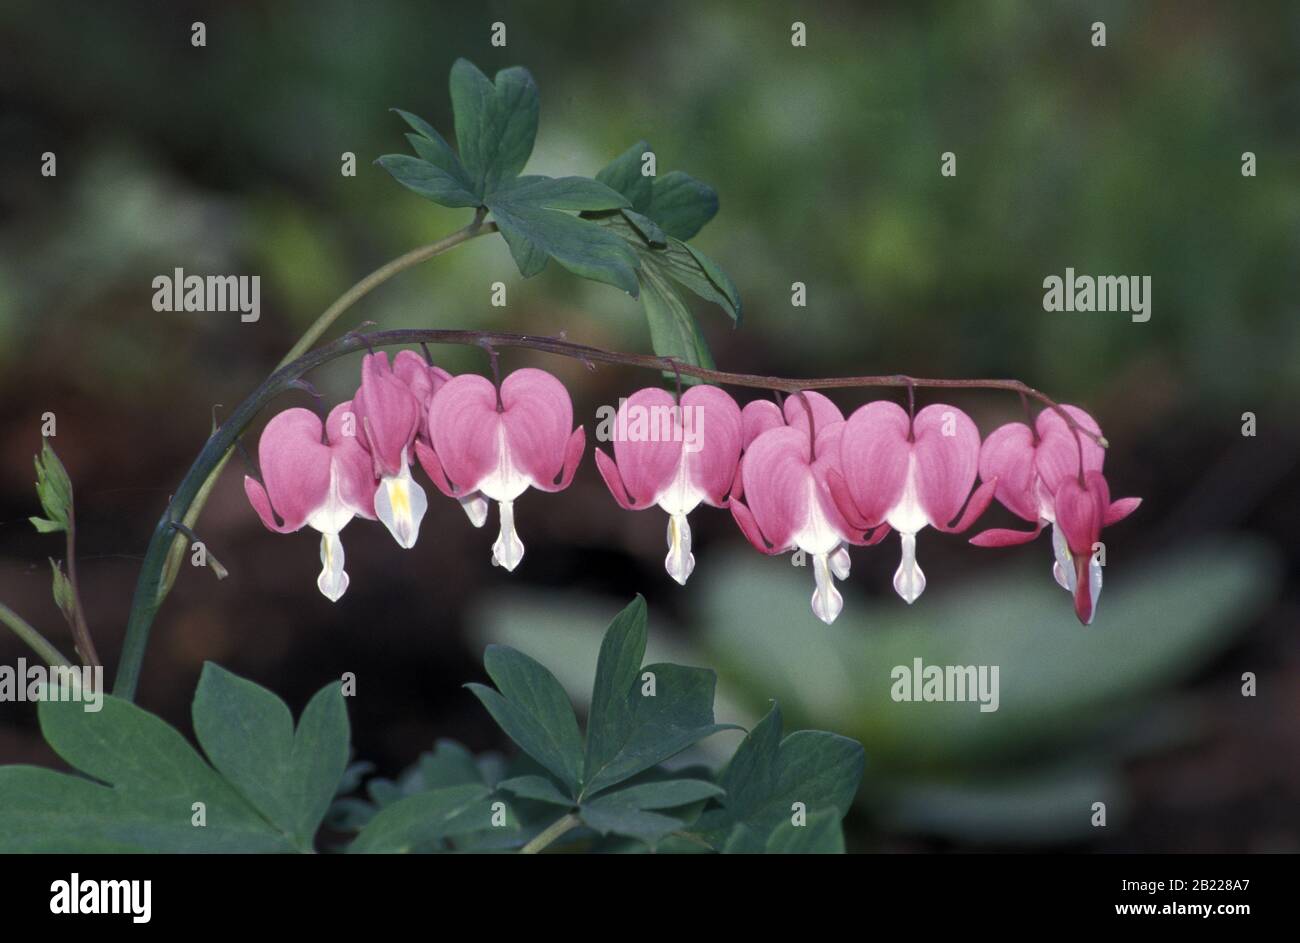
675, 456
910, 474
1031, 466
781, 498
388, 416
1083, 508
501, 445
321, 480
424, 380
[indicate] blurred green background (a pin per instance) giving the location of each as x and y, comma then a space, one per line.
1122, 160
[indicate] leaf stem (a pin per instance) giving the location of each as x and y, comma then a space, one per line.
381, 275
80, 629
38, 643
551, 833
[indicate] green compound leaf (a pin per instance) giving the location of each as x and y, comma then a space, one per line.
667, 709
496, 122
422, 817
145, 789
529, 214
664, 212
771, 780
820, 835
431, 182
248, 734
533, 710
677, 203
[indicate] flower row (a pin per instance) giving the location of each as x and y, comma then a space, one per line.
796, 476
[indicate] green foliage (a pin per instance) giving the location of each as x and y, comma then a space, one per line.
266, 786
770, 778
641, 716
663, 213
266, 790
54, 489
631, 228
248, 734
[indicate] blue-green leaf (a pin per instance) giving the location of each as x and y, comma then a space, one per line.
658, 725
535, 233
141, 794
621, 653
681, 205
496, 122
606, 815
422, 817
248, 734
664, 793
820, 835
537, 788
770, 780
534, 711
433, 183
624, 174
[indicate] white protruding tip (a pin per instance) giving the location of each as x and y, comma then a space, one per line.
400, 503
333, 580
909, 581
827, 603
476, 508
680, 562
840, 562
508, 549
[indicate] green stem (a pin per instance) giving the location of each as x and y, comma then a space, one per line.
80, 629
168, 544
38, 643
378, 277
551, 833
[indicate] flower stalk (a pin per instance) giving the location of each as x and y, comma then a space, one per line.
150, 589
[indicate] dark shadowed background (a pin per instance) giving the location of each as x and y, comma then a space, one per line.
1117, 160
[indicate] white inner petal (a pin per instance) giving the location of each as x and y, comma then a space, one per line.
476, 508
680, 496
826, 599
840, 563
907, 516
909, 581
505, 482
400, 503
331, 516
508, 549
1063, 568
333, 580
680, 562
817, 535
1094, 586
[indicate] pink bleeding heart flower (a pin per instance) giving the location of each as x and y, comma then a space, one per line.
676, 457
1083, 508
322, 481
388, 417
424, 380
787, 501
910, 475
760, 415
1030, 466
503, 444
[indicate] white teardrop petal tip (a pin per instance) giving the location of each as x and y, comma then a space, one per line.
508, 549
